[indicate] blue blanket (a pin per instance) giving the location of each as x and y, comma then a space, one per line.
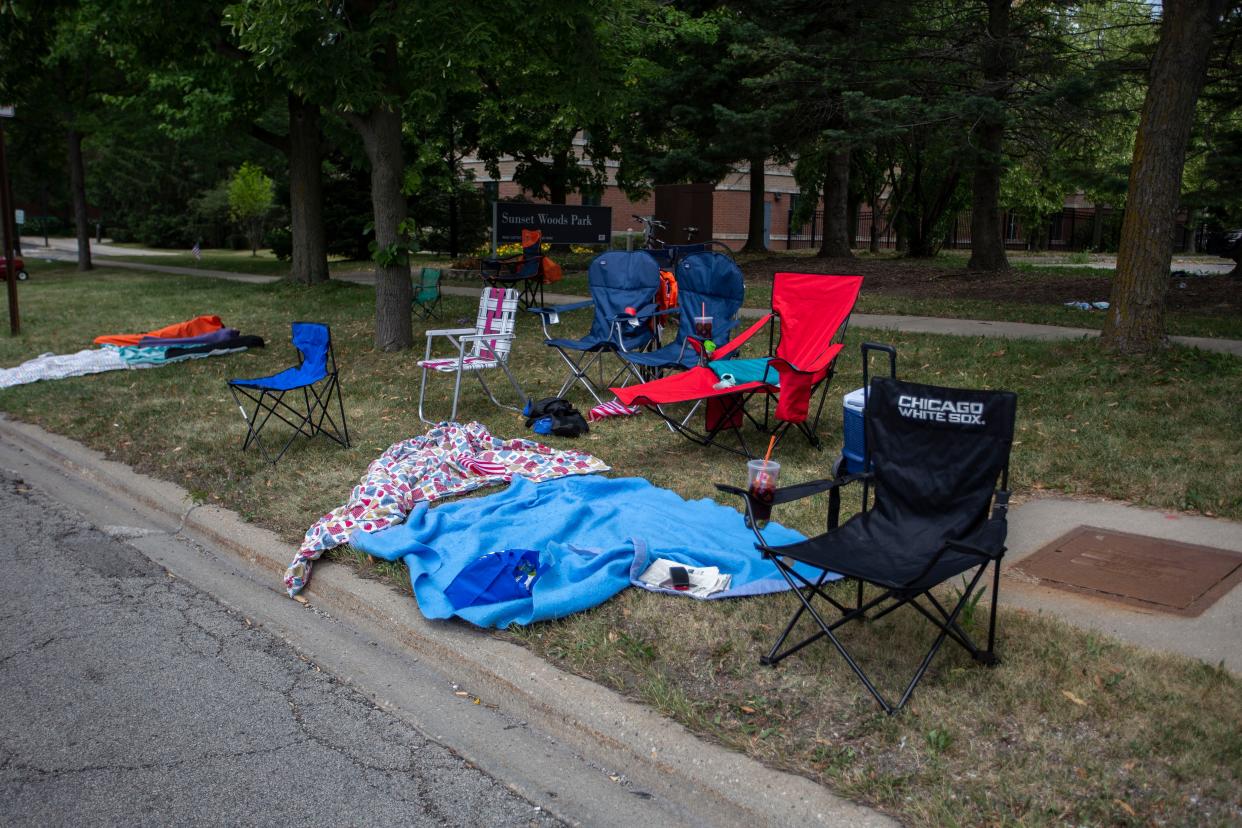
595, 536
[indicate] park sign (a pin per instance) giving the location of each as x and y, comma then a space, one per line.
559, 223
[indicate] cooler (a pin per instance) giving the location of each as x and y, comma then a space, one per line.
854, 447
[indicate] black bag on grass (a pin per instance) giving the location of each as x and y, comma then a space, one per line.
555, 415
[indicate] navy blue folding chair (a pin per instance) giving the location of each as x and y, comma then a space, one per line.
309, 413
617, 281
710, 293
523, 272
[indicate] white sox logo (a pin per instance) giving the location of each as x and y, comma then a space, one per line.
940, 411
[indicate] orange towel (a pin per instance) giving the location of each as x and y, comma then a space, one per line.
192, 327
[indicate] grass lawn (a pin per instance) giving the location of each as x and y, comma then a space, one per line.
1030, 292
1154, 739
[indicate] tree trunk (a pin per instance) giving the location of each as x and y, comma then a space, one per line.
987, 235
924, 242
851, 215
452, 199
754, 230
381, 135
558, 188
310, 244
1097, 229
836, 243
987, 232
1135, 321
77, 184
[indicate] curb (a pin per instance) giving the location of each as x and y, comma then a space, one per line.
661, 755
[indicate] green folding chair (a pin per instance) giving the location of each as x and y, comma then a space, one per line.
427, 293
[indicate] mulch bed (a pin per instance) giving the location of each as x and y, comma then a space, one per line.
1209, 295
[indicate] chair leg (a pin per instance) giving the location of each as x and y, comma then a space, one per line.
579, 373
949, 624
456, 392
990, 657
523, 399
948, 629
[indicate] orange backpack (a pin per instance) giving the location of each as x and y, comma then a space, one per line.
551, 271
666, 296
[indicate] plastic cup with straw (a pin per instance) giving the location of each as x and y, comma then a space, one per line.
762, 478
703, 323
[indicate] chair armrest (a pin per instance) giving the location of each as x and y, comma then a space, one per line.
472, 336
817, 364
558, 309
449, 332
645, 312
739, 340
969, 549
649, 312
798, 491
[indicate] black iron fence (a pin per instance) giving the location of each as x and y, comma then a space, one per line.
1072, 229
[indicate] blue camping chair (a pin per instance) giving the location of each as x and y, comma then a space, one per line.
708, 284
316, 377
617, 280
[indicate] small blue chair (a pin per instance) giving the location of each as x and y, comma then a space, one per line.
316, 377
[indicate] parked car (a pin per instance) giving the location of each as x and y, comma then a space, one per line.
19, 267
1228, 245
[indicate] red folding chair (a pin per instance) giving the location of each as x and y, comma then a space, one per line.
813, 311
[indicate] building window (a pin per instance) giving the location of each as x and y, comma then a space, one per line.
491, 191
592, 196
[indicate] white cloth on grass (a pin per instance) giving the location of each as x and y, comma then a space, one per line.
58, 366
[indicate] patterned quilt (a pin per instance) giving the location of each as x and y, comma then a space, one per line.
449, 459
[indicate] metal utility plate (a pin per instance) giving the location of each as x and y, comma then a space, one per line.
1161, 575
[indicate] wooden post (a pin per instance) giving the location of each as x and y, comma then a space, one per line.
6, 208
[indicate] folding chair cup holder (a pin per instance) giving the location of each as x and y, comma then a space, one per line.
935, 497
310, 413
811, 312
484, 347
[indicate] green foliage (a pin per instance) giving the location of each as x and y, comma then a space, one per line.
250, 201
397, 253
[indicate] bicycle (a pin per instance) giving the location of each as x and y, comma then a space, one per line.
670, 252
650, 240
710, 245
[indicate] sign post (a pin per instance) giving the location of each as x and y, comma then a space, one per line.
10, 230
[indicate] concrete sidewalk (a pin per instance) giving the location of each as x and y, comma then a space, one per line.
907, 324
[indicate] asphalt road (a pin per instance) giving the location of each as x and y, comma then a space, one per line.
130, 697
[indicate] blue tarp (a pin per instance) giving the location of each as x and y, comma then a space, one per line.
595, 536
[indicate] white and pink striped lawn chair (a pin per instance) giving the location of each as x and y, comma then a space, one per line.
490, 341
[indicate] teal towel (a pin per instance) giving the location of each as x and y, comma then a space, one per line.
746, 370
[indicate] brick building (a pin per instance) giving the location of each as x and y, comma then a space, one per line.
730, 202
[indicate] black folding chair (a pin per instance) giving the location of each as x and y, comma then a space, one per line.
316, 377
935, 457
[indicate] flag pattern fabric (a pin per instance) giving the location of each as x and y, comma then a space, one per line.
450, 459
